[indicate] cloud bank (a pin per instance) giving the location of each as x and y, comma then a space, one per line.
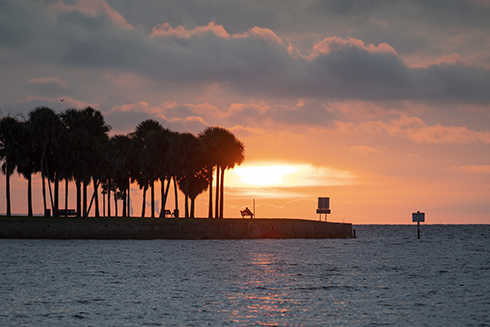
254, 61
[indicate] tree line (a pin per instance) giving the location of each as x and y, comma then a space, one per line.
75, 145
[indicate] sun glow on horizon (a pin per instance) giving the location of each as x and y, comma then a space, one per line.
263, 175
287, 175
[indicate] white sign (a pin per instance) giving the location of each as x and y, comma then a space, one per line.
418, 217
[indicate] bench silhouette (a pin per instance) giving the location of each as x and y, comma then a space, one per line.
246, 212
66, 212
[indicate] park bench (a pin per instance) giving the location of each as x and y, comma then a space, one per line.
246, 212
67, 212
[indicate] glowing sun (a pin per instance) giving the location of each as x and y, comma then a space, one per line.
263, 175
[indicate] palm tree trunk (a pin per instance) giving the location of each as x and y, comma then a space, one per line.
79, 198
109, 201
186, 206
152, 184
96, 195
144, 202
115, 204
193, 202
85, 213
124, 204
186, 187
176, 199
29, 195
9, 212
49, 187
66, 194
222, 192
42, 178
44, 190
129, 197
56, 195
216, 211
210, 209
164, 198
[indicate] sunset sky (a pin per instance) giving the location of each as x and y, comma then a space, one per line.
383, 106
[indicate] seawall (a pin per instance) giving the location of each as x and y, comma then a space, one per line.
188, 229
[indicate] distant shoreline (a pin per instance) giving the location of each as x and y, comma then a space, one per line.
23, 227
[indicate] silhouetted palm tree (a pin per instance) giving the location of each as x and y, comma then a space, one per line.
10, 136
156, 146
26, 164
209, 139
120, 155
192, 186
87, 137
223, 150
97, 145
63, 161
233, 153
76, 164
186, 153
145, 173
46, 128
175, 165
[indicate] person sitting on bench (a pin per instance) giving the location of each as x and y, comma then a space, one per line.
246, 212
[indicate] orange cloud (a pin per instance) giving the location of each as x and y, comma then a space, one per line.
48, 80
365, 110
237, 108
261, 33
416, 130
335, 44
141, 106
93, 8
205, 109
481, 169
67, 101
125, 80
184, 33
363, 150
452, 59
243, 131
451, 134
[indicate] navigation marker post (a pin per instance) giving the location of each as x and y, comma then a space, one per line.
418, 217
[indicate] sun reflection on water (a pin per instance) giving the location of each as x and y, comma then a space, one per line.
260, 292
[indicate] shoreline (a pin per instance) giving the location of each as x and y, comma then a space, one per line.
22, 227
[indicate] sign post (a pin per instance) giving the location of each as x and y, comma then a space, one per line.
418, 217
323, 207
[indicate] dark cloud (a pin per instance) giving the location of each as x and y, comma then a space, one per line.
253, 62
453, 82
434, 12
235, 16
15, 24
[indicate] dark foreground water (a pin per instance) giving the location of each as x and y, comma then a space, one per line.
384, 277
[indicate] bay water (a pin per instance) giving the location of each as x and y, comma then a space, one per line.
385, 276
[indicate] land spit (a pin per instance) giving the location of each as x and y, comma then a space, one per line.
182, 229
